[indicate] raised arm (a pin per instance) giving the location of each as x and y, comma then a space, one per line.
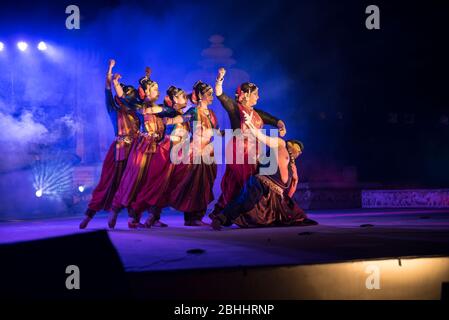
272, 142
118, 88
219, 82
227, 103
109, 74
109, 98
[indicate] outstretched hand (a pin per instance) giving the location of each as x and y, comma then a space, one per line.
109, 73
282, 128
117, 77
147, 72
221, 73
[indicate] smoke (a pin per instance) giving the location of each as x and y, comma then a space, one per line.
22, 130
53, 102
25, 137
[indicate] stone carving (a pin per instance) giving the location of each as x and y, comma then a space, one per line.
434, 198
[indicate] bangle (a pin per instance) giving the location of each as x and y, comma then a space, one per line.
220, 80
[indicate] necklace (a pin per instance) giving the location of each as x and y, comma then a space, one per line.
292, 159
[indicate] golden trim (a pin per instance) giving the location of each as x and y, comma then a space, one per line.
271, 184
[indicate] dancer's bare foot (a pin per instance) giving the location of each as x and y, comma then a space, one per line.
112, 219
195, 223
218, 220
153, 221
159, 224
85, 222
135, 225
216, 224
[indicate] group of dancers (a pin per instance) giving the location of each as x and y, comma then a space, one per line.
139, 172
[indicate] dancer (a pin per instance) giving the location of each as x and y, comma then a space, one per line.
140, 157
126, 122
236, 174
163, 174
266, 200
194, 192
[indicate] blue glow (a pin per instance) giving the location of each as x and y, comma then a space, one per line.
2, 46
54, 100
42, 46
52, 176
22, 45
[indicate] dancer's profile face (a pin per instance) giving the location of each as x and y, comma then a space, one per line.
180, 100
253, 97
208, 97
152, 92
250, 98
294, 149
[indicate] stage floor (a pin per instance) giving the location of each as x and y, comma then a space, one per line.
339, 237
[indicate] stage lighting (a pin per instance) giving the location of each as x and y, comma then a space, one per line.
2, 46
42, 46
81, 188
39, 193
22, 45
53, 175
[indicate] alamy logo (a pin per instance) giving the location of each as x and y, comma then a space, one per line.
372, 282
73, 280
73, 20
373, 20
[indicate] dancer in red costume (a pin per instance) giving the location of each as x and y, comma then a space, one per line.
141, 154
194, 192
163, 174
126, 122
236, 174
267, 200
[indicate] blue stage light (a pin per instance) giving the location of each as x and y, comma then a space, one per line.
53, 176
2, 46
39, 193
22, 45
81, 188
42, 46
